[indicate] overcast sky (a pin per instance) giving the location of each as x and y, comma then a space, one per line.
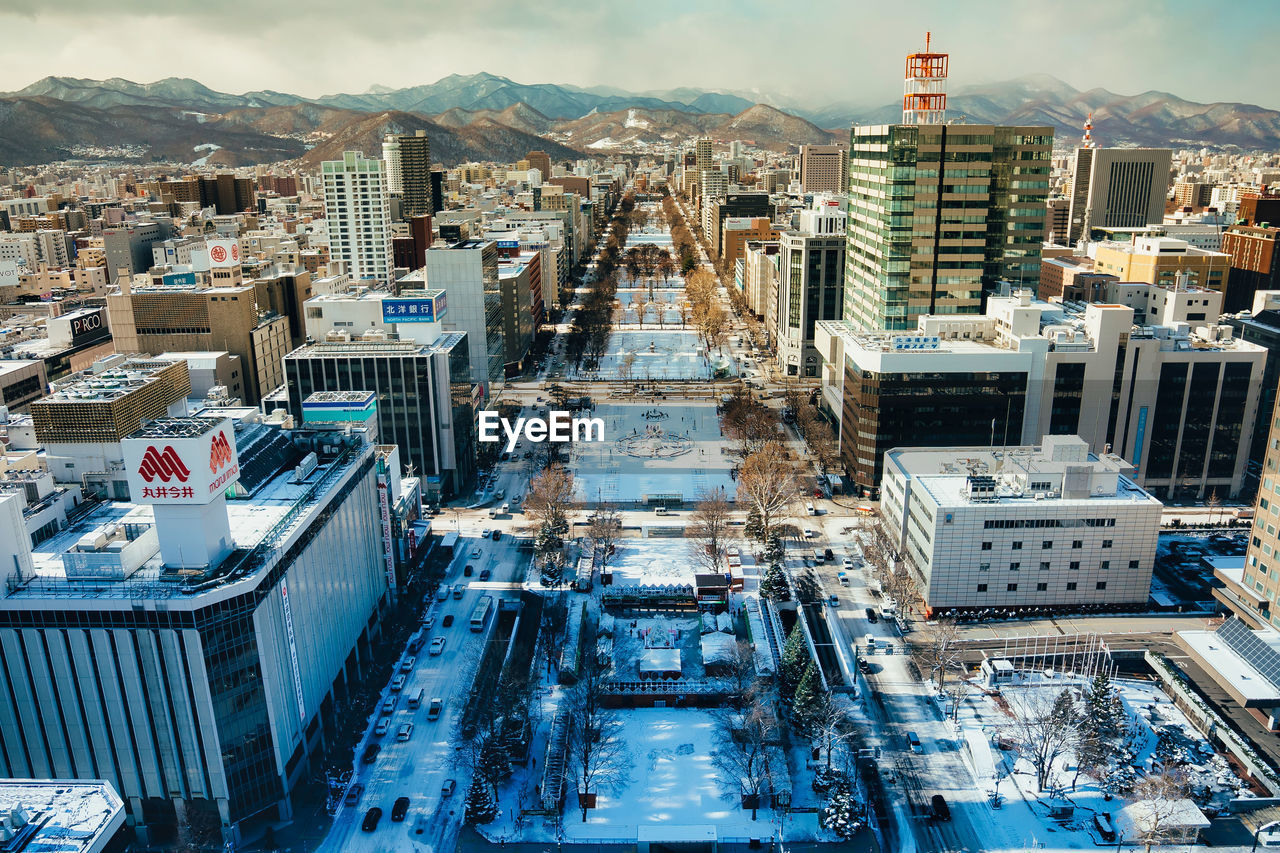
823, 50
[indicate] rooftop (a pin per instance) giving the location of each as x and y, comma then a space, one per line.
109, 384
176, 428
64, 816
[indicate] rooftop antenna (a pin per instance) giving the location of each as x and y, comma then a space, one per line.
924, 99
1088, 141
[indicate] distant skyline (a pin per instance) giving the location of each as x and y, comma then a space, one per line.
816, 51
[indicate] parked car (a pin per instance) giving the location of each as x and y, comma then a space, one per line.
447, 789
448, 617
437, 646
467, 570
405, 732
371, 753
407, 664
371, 818
485, 574
380, 727
871, 615
833, 600
442, 594
428, 619
497, 534
397, 684
415, 645
354, 793
388, 704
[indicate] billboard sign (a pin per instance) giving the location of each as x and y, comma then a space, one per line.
8, 274
181, 468
427, 309
88, 327
179, 278
914, 342
223, 253
384, 510
508, 244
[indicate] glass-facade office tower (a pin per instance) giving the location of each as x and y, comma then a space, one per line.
938, 214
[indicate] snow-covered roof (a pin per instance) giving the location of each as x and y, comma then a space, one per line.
718, 648
1230, 667
660, 660
1139, 818
75, 816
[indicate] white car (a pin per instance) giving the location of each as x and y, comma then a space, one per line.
437, 645
808, 533
475, 552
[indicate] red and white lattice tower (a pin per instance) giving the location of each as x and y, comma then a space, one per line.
1088, 141
924, 100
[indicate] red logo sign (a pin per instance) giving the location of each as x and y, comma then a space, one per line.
219, 452
218, 254
235, 252
163, 465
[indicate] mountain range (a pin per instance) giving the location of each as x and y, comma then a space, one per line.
489, 117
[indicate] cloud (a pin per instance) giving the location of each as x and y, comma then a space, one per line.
817, 51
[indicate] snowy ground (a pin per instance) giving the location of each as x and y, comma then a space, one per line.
661, 354
1023, 817
604, 471
652, 562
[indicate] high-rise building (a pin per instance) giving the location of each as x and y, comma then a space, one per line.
1254, 251
810, 284
189, 646
468, 273
737, 231
415, 174
1057, 219
541, 161
702, 154
948, 249
1117, 188
358, 213
423, 399
1032, 526
391, 156
824, 168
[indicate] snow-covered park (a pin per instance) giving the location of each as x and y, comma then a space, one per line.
684, 458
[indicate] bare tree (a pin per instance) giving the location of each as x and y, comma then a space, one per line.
742, 754
1156, 803
550, 494
749, 422
597, 751
942, 650
603, 531
768, 482
1044, 729
818, 436
830, 725
741, 671
709, 529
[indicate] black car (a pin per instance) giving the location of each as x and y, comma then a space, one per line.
941, 810
863, 666
371, 818
371, 753
467, 570
447, 620
829, 554
354, 793
400, 809
485, 574
871, 615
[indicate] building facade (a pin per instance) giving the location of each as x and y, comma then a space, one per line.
358, 214
810, 286
938, 214
1045, 526
824, 168
468, 272
1117, 188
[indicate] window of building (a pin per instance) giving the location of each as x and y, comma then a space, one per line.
984, 567
986, 546
1100, 585
1044, 566
1106, 543
1105, 564
1042, 587
982, 587
1014, 567
1046, 545
1017, 546
1071, 585
1013, 587
1133, 564
1075, 565
1077, 543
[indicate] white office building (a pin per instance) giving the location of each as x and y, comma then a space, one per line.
191, 646
391, 156
1051, 526
358, 213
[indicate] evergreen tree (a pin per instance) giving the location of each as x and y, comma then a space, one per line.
494, 764
773, 586
1101, 729
754, 526
776, 550
480, 805
841, 813
795, 657
808, 697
